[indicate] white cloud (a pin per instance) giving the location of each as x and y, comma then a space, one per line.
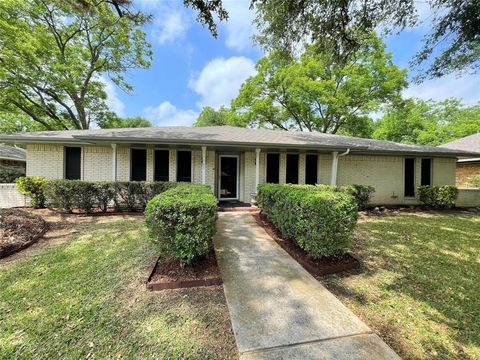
167, 114
220, 80
171, 26
239, 28
113, 101
464, 88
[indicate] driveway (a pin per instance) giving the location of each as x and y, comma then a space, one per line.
278, 310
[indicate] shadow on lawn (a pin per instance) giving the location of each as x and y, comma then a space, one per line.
87, 297
430, 259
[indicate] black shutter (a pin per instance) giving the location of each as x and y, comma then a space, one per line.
139, 164
292, 169
311, 169
161, 172
273, 168
184, 165
409, 177
73, 157
426, 178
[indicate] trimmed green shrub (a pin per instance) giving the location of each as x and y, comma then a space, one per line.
8, 176
181, 221
439, 197
105, 194
320, 221
32, 186
86, 195
474, 181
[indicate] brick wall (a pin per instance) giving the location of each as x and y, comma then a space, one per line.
97, 163
45, 160
466, 170
11, 197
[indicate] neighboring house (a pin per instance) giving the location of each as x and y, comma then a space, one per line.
12, 162
466, 168
234, 160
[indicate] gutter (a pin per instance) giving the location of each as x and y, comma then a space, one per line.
336, 155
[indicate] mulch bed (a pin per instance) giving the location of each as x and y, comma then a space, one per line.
170, 274
322, 266
18, 230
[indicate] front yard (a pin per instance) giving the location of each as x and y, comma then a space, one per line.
86, 298
420, 288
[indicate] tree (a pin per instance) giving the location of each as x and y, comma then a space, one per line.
454, 36
11, 123
128, 122
223, 116
416, 121
55, 71
321, 91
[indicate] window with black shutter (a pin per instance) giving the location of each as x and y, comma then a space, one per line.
73, 157
138, 165
426, 176
161, 168
311, 169
292, 169
409, 177
273, 168
184, 165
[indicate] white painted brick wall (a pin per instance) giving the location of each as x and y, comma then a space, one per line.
45, 160
123, 163
11, 197
97, 163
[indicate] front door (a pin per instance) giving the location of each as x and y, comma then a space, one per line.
228, 177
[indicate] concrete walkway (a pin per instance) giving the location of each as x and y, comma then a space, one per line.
278, 310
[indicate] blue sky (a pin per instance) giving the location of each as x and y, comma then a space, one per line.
192, 69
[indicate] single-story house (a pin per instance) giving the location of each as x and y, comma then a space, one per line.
466, 168
233, 161
12, 159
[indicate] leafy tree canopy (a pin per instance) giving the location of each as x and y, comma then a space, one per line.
128, 122
53, 55
452, 44
320, 91
223, 116
417, 121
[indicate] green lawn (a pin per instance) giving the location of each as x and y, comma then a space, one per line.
420, 289
86, 298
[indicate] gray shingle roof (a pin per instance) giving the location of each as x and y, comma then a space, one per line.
468, 143
230, 136
12, 153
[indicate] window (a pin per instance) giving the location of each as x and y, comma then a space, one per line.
138, 165
273, 168
72, 163
161, 165
292, 169
426, 175
311, 169
184, 165
409, 177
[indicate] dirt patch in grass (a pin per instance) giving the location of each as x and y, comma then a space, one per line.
171, 274
18, 230
323, 266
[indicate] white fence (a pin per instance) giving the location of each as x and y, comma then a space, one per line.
11, 197
468, 198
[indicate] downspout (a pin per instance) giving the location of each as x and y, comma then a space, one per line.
335, 156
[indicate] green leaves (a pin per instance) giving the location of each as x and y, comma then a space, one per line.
54, 53
320, 91
423, 122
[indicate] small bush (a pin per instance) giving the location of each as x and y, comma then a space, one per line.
320, 221
8, 176
439, 197
474, 181
181, 221
60, 194
32, 186
105, 194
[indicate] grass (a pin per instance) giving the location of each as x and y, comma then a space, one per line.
86, 298
420, 287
